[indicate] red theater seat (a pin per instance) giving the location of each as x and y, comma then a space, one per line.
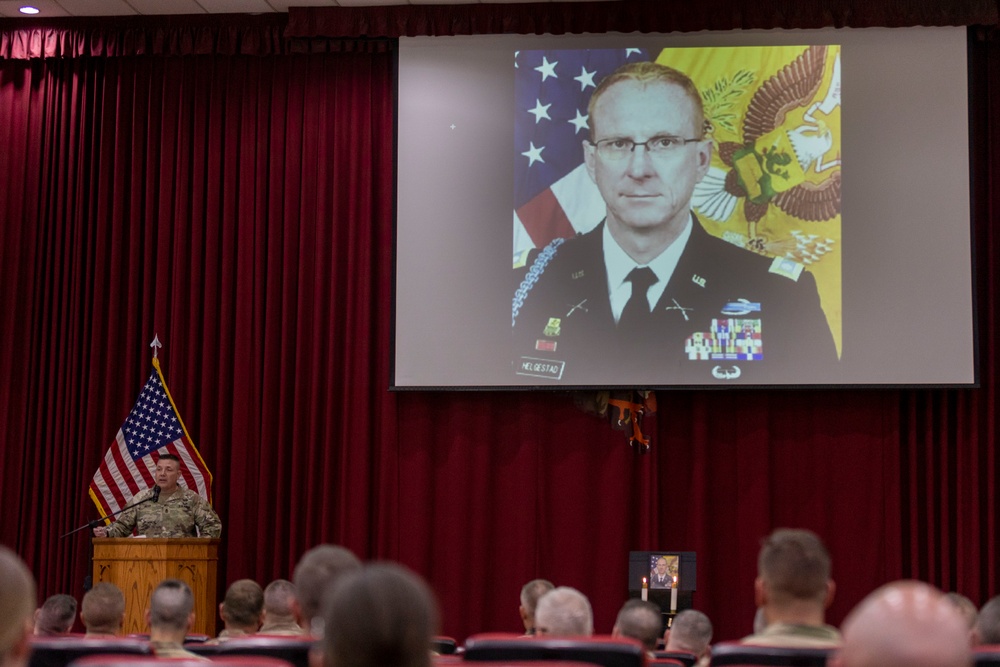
294, 650
986, 656
152, 661
444, 645
598, 650
748, 655
60, 652
686, 659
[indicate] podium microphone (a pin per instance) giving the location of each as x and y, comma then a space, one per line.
156, 494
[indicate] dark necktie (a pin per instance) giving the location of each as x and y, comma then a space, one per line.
635, 315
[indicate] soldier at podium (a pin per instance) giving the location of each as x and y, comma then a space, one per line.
177, 512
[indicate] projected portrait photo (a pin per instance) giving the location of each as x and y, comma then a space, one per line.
676, 215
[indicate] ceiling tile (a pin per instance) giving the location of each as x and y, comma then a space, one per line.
283, 5
97, 7
167, 6
236, 6
370, 3
46, 7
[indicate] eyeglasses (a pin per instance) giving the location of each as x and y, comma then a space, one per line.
619, 148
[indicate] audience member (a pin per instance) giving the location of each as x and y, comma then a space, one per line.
564, 612
278, 615
904, 624
320, 567
988, 623
56, 616
380, 616
794, 589
102, 610
639, 620
17, 602
691, 632
530, 593
240, 610
968, 612
170, 617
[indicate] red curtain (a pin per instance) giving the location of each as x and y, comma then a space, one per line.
240, 205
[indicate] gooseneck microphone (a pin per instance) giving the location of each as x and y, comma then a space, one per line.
156, 494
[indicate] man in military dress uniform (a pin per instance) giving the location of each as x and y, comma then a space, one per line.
648, 296
178, 512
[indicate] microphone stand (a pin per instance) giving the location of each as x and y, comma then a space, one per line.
97, 522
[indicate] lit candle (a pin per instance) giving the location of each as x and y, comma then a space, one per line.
645, 590
673, 596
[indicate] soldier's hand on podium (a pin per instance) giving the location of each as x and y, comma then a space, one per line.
101, 531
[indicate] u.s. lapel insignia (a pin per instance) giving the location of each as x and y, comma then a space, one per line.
698, 280
576, 275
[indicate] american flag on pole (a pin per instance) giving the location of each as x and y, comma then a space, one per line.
553, 194
153, 427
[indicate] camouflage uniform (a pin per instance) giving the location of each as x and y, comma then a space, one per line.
174, 650
283, 628
175, 515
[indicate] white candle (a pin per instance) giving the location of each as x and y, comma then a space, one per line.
645, 590
673, 596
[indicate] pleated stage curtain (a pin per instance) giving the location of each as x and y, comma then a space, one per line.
227, 184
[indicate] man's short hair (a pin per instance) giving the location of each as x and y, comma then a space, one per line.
103, 608
380, 616
278, 597
56, 615
318, 568
17, 600
243, 603
640, 620
170, 605
169, 457
988, 623
532, 591
794, 565
646, 73
564, 611
691, 631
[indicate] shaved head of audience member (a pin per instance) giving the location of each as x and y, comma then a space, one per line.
691, 632
794, 589
170, 617
988, 623
639, 620
241, 609
904, 624
279, 615
17, 606
564, 612
530, 593
320, 567
382, 615
103, 610
56, 616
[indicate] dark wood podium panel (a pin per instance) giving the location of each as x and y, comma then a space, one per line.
137, 565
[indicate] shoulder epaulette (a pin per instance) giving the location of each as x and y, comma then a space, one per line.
534, 273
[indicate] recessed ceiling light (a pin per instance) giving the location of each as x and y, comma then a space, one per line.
28, 10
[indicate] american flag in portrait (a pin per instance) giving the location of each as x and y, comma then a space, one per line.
553, 194
153, 427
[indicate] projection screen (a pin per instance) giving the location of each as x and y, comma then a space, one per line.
808, 225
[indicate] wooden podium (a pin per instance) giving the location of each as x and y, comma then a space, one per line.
138, 565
